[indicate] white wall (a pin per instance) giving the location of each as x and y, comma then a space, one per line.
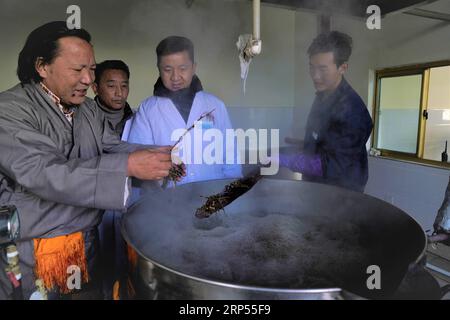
305, 31
416, 189
130, 30
407, 39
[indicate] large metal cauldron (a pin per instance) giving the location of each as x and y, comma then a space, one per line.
283, 239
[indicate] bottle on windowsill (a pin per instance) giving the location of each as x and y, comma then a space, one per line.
444, 155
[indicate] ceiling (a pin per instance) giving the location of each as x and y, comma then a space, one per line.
355, 8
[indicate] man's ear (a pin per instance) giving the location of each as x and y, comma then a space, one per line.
94, 88
41, 67
194, 67
343, 68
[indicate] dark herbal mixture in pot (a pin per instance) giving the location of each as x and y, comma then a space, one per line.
273, 250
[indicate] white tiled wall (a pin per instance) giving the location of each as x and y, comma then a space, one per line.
418, 190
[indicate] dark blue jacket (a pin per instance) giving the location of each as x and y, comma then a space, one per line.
338, 128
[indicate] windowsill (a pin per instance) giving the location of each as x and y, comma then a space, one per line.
414, 162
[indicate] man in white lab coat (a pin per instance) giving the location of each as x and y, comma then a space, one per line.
177, 103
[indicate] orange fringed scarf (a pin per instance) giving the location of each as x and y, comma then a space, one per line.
130, 291
54, 255
132, 264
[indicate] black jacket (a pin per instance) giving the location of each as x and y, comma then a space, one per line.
338, 128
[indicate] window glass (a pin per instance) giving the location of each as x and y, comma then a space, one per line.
438, 123
398, 113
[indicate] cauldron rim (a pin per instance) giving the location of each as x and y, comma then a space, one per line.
230, 284
226, 284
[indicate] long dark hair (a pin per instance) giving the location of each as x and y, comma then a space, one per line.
43, 43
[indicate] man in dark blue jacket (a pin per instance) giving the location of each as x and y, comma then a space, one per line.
339, 124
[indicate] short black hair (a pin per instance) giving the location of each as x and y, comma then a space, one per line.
337, 42
110, 65
174, 44
42, 42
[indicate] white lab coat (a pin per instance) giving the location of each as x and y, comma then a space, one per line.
156, 120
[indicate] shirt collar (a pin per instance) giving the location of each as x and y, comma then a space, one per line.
67, 111
325, 96
53, 96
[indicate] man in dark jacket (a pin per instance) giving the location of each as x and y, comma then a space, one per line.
339, 124
111, 87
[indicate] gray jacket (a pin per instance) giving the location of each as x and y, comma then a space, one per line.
116, 118
58, 176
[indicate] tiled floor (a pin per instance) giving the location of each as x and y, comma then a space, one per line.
439, 256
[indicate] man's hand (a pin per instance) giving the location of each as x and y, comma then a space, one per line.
150, 164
